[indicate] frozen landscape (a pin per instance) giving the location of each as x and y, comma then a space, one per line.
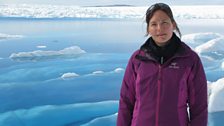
63, 65
125, 12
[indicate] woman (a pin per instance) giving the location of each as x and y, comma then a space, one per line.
163, 79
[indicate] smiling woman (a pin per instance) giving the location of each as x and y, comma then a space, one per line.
159, 84
160, 28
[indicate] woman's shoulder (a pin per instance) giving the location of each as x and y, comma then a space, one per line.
136, 53
189, 51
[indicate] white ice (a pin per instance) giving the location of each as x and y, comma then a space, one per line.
119, 70
216, 102
56, 11
209, 46
214, 45
7, 36
58, 115
103, 121
222, 65
41, 46
196, 39
98, 72
40, 55
69, 75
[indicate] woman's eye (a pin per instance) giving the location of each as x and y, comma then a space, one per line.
165, 22
153, 24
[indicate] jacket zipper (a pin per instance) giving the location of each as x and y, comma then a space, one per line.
158, 97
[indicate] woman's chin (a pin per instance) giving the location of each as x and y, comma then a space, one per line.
161, 42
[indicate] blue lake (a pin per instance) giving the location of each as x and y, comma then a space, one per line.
27, 88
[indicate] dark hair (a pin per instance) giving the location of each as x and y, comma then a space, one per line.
163, 7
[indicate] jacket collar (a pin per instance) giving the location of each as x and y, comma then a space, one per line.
174, 48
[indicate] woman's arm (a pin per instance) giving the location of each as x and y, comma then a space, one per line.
198, 104
127, 96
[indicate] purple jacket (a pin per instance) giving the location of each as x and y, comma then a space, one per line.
159, 95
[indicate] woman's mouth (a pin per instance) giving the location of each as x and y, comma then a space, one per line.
161, 35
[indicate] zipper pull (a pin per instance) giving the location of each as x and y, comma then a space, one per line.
161, 60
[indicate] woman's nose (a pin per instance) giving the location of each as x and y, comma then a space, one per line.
159, 27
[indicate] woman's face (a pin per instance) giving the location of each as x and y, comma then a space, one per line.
161, 27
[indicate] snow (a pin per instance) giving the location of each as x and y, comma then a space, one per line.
208, 45
222, 65
98, 72
40, 55
103, 121
69, 75
196, 39
60, 11
214, 45
209, 86
58, 114
41, 46
216, 101
212, 49
119, 70
198, 12
7, 36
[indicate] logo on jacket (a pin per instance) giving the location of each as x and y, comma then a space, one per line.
174, 65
